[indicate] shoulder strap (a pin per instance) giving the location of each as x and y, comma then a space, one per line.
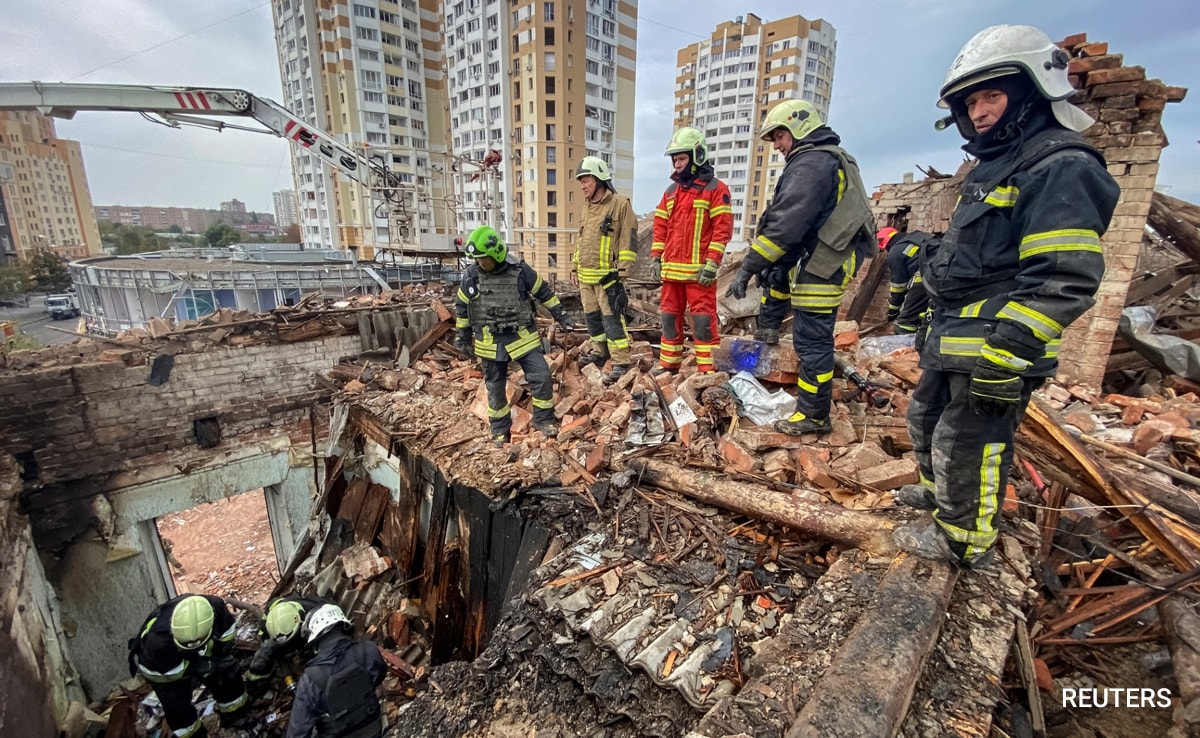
1042, 145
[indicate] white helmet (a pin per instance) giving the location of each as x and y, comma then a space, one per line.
321, 620
999, 51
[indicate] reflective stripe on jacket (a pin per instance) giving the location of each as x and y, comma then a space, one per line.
692, 224
607, 238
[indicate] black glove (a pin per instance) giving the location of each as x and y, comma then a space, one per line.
656, 269
462, 342
564, 321
614, 290
922, 332
737, 289
893, 313
708, 273
995, 390
264, 658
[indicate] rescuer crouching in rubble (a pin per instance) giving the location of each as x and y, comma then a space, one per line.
279, 638
186, 640
336, 697
495, 322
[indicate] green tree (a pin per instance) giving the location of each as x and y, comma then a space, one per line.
174, 229
15, 280
49, 272
222, 234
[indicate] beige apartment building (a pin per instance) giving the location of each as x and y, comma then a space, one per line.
46, 196
725, 84
483, 109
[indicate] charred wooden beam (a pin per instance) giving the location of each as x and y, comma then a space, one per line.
806, 512
868, 687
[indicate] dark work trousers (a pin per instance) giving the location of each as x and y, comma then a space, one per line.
916, 302
223, 681
967, 457
776, 300
537, 374
812, 337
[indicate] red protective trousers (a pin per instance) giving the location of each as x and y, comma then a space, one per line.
702, 302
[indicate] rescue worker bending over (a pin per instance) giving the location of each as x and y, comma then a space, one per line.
336, 696
907, 299
606, 247
819, 219
279, 637
1020, 262
495, 310
692, 225
185, 640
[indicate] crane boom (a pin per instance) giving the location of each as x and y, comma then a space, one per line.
199, 106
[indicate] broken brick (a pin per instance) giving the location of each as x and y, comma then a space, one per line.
738, 456
890, 475
575, 428
816, 470
845, 341
594, 459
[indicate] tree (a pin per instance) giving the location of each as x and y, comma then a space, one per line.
291, 234
174, 229
222, 234
15, 280
49, 272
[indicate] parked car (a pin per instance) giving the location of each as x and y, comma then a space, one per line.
62, 307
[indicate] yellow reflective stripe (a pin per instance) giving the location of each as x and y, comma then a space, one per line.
817, 288
776, 294
1002, 197
696, 228
977, 542
1006, 359
147, 628
234, 704
917, 278
972, 310
525, 342
619, 343
228, 635
499, 413
679, 272
809, 388
1042, 325
960, 346
912, 250
1070, 239
592, 275
1052, 348
718, 247
462, 322
543, 404
825, 377
553, 302
161, 677
537, 285
627, 255
462, 296
605, 250
897, 287
660, 213
767, 248
849, 267
189, 731
720, 210
841, 183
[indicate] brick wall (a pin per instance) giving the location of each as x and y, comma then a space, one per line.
1128, 109
83, 421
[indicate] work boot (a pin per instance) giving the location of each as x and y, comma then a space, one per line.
916, 496
499, 439
926, 539
592, 357
618, 371
660, 370
798, 425
548, 428
769, 336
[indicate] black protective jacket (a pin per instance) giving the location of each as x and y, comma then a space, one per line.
336, 696
507, 341
1022, 258
805, 196
155, 654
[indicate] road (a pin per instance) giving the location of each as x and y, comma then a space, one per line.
35, 322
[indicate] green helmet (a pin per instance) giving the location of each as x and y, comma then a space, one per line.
485, 241
798, 116
688, 140
594, 166
284, 618
192, 622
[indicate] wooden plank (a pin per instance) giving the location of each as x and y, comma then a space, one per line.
352, 501
868, 287
429, 338
475, 532
435, 541
408, 512
867, 689
370, 513
1182, 627
507, 536
534, 543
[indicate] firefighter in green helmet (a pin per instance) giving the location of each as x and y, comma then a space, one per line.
279, 638
495, 323
186, 640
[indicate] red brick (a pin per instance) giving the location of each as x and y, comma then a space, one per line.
442, 312
577, 427
845, 341
890, 475
1099, 48
1075, 39
1094, 62
594, 459
816, 470
738, 456
1119, 74
1132, 414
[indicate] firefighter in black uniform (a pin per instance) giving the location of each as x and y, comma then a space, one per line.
907, 298
495, 322
818, 219
336, 696
185, 640
1020, 262
279, 637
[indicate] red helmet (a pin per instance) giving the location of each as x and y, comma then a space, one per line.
885, 235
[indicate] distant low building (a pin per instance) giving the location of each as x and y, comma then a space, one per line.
190, 220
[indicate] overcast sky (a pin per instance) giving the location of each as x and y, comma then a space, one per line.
891, 60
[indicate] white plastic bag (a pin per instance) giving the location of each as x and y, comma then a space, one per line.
757, 403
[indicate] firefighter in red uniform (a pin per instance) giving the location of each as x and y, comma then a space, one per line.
692, 225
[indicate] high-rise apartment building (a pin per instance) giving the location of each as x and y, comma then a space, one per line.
725, 84
46, 196
483, 108
285, 208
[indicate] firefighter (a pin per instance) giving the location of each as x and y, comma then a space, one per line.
600, 272
1020, 262
692, 225
279, 638
907, 299
336, 697
819, 219
186, 640
495, 322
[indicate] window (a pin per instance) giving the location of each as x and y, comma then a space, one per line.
551, 198
549, 61
549, 108
366, 34
364, 11
548, 11
552, 176
551, 154
551, 130
549, 85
